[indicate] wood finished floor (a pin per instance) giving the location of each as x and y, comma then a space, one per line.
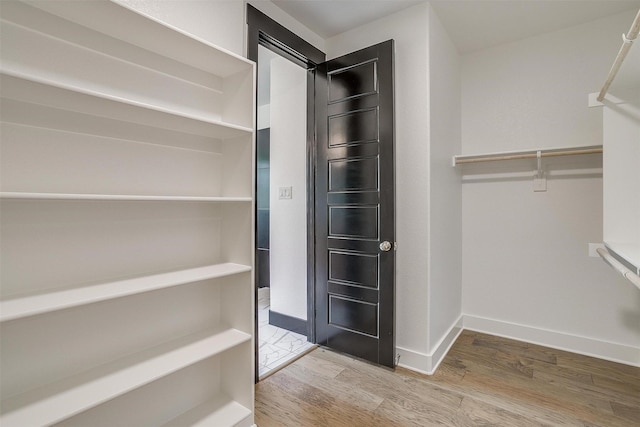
483, 381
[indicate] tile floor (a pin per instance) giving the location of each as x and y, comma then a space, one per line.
277, 346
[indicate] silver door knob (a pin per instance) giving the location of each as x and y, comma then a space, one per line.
385, 246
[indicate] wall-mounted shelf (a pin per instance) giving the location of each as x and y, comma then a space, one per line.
127, 200
34, 304
119, 197
525, 154
626, 269
220, 411
58, 401
37, 90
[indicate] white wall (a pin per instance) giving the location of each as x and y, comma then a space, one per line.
526, 270
288, 217
445, 192
220, 22
422, 157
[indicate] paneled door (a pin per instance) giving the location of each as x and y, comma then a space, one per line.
355, 221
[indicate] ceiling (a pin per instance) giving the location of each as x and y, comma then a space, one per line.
472, 24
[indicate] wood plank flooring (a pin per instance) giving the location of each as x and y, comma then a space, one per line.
483, 381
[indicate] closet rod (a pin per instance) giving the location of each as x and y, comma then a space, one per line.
627, 41
619, 267
525, 155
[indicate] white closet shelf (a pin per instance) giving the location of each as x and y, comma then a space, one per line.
219, 411
24, 87
629, 252
117, 197
63, 399
526, 154
34, 304
151, 34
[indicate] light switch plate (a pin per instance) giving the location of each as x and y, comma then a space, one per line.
285, 193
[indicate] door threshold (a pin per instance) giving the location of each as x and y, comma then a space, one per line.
287, 363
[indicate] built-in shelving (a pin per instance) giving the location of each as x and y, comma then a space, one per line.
118, 197
63, 96
621, 175
220, 411
30, 305
126, 209
629, 252
55, 402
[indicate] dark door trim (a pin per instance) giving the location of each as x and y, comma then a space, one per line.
264, 31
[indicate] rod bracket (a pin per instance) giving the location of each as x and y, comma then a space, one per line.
539, 179
627, 40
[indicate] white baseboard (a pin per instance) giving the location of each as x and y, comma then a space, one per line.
428, 363
575, 344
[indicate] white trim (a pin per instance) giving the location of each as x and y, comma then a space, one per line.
428, 363
613, 352
443, 347
414, 360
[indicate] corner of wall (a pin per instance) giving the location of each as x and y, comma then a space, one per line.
444, 189
427, 363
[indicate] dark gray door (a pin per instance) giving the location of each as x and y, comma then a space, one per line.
355, 221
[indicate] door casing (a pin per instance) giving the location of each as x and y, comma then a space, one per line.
264, 31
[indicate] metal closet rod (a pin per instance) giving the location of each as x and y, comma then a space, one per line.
530, 154
627, 41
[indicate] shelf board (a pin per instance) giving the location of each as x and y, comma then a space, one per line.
34, 304
629, 252
148, 33
219, 411
58, 401
23, 87
117, 197
525, 154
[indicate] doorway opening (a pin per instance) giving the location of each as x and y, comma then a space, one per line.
350, 211
281, 199
285, 191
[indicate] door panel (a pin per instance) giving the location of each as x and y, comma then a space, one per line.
355, 289
353, 127
353, 81
353, 222
353, 315
358, 174
356, 269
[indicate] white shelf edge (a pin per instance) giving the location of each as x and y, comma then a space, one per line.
129, 102
118, 11
58, 401
116, 197
31, 305
629, 252
219, 411
518, 152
